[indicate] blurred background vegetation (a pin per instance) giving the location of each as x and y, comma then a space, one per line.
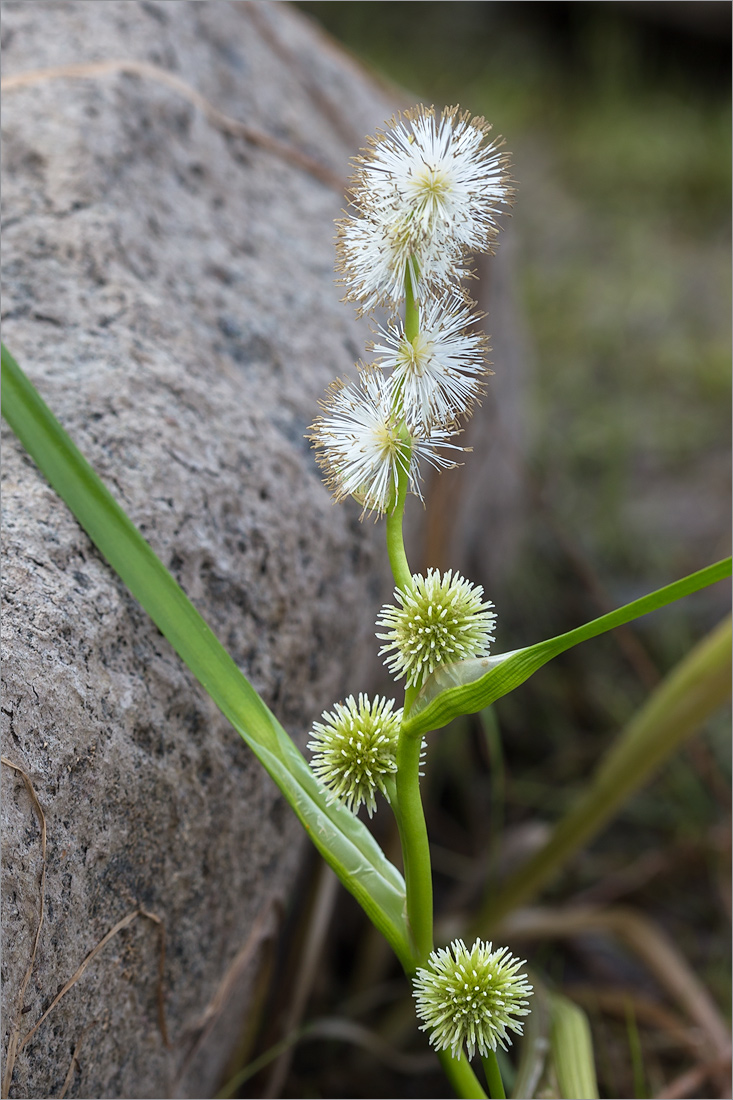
618, 119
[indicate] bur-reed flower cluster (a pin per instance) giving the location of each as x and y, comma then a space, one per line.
471, 997
440, 619
425, 196
354, 749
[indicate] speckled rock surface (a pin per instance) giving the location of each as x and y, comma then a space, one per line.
169, 289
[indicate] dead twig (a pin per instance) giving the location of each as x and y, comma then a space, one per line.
74, 1064
688, 1083
346, 1031
319, 920
262, 929
160, 995
649, 942
615, 1002
123, 923
15, 1044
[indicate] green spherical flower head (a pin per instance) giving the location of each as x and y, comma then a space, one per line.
470, 997
440, 620
354, 750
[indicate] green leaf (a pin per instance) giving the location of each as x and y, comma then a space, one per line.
556, 1049
343, 840
534, 1046
571, 1050
468, 686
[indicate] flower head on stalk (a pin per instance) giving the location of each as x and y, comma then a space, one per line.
471, 997
354, 750
363, 442
439, 373
440, 619
427, 192
376, 254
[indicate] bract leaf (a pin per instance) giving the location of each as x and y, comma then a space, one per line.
468, 686
341, 838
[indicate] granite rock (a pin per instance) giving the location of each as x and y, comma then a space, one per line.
169, 289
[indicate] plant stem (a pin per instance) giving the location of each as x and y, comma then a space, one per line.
408, 803
458, 1071
412, 311
415, 846
493, 1076
395, 538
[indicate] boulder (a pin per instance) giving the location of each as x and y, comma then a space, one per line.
169, 289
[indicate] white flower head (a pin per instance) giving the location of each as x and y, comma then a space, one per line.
427, 191
440, 619
439, 374
443, 172
375, 254
363, 442
471, 997
354, 750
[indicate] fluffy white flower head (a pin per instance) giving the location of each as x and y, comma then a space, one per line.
427, 192
470, 997
375, 254
363, 442
439, 374
354, 750
440, 619
442, 172
359, 442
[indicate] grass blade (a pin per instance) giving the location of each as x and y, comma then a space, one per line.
341, 838
571, 1050
534, 1047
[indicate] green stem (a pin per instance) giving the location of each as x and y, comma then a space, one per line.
395, 537
493, 1076
408, 803
415, 846
412, 311
458, 1071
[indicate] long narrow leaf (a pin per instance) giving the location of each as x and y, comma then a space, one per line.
341, 838
571, 1050
468, 686
534, 1046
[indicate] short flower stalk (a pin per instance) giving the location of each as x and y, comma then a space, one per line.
395, 535
425, 196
